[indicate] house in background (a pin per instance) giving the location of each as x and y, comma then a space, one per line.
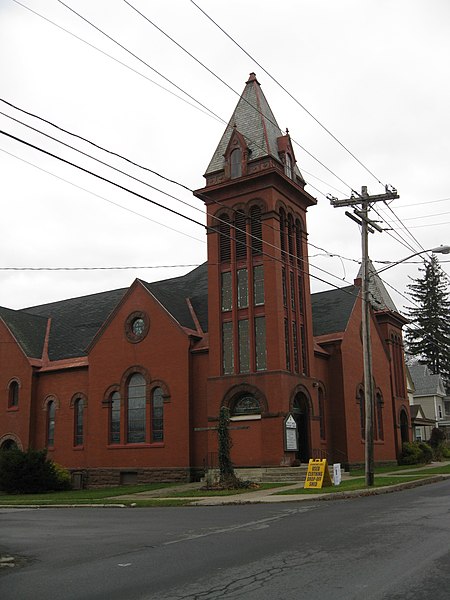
427, 402
126, 385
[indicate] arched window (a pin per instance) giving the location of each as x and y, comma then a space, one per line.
78, 421
256, 230
136, 409
13, 394
224, 241
404, 427
290, 237
245, 405
298, 242
236, 163
114, 418
240, 234
51, 406
157, 424
362, 413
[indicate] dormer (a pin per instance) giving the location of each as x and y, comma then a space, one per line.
286, 154
236, 156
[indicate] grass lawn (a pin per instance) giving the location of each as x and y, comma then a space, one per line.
98, 496
353, 484
439, 470
202, 493
391, 469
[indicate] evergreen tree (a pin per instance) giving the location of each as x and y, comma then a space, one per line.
429, 338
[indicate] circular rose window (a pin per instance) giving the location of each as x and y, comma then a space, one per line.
136, 326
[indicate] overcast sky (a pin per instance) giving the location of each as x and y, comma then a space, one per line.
374, 72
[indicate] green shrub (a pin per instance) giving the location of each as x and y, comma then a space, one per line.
415, 453
446, 452
438, 443
30, 472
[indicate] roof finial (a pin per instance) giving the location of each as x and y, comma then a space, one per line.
252, 77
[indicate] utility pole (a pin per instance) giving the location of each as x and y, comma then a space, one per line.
361, 207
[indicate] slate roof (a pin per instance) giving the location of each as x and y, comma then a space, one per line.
255, 120
172, 294
28, 329
425, 382
379, 296
76, 321
331, 309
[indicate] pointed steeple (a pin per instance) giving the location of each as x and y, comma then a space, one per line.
255, 122
379, 296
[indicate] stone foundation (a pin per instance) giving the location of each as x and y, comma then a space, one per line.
101, 478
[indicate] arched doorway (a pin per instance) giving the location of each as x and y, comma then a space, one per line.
9, 444
301, 413
404, 427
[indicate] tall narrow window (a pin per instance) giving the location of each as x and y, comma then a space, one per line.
362, 414
283, 233
291, 238
224, 239
292, 289
321, 415
300, 293
287, 344
288, 165
227, 348
260, 342
305, 368
379, 409
136, 409
78, 424
51, 423
284, 283
13, 395
258, 285
256, 229
242, 285
114, 418
157, 424
236, 163
298, 243
227, 303
295, 346
240, 234
244, 346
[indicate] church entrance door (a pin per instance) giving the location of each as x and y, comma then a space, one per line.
300, 411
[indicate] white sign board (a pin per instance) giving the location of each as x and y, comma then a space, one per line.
337, 474
290, 434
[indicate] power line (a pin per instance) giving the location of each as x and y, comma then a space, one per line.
115, 59
287, 92
420, 203
118, 268
96, 175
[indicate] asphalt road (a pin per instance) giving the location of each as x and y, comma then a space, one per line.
391, 547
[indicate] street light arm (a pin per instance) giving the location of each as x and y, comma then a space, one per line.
439, 250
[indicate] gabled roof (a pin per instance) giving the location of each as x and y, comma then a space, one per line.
254, 120
331, 309
425, 382
379, 296
75, 321
28, 329
172, 294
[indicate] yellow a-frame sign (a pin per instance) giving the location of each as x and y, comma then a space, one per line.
318, 475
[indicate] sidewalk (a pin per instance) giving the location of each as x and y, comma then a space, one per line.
269, 495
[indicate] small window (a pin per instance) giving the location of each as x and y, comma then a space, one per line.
13, 395
440, 411
227, 302
236, 163
258, 285
78, 422
51, 423
157, 424
242, 285
246, 405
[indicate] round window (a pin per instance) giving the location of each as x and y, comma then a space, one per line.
136, 326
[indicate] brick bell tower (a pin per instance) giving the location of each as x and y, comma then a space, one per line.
259, 308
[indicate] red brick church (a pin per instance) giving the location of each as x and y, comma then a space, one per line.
127, 384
